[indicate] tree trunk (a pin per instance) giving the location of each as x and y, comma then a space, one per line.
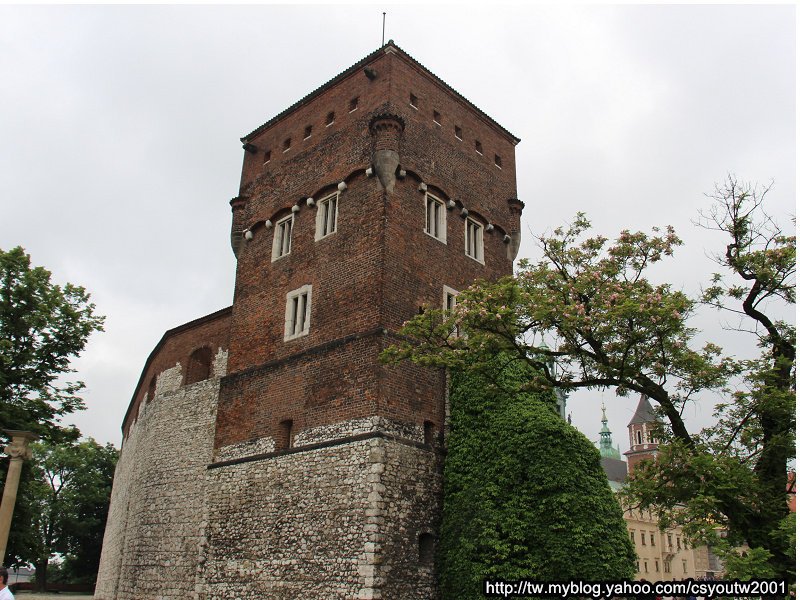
41, 575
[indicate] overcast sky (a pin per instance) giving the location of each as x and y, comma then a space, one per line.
120, 126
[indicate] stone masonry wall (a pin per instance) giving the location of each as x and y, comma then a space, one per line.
156, 521
356, 536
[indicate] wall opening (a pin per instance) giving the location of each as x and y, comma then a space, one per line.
429, 431
285, 434
199, 367
426, 548
151, 389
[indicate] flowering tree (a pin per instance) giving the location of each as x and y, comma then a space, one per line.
608, 325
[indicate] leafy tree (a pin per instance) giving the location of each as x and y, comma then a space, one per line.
42, 327
65, 502
525, 496
613, 327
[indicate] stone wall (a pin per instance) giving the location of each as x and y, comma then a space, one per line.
356, 536
157, 516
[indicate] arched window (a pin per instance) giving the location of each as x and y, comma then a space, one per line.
285, 433
199, 367
639, 437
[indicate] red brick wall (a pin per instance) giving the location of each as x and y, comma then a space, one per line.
375, 271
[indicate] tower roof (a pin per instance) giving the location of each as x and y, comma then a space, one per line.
644, 412
389, 46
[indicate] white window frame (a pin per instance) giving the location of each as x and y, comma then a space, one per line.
298, 313
439, 214
279, 246
449, 301
322, 216
473, 245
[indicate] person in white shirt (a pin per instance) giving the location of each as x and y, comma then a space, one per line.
5, 593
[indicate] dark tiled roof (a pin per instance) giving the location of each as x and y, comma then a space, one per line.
644, 412
361, 64
615, 469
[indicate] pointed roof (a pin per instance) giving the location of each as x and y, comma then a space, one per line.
607, 449
644, 412
389, 46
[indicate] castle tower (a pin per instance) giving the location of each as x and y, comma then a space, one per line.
380, 193
640, 429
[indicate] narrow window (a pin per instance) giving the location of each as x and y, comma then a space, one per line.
478, 147
645, 566
459, 135
669, 540
327, 213
151, 389
638, 569
449, 301
199, 367
426, 549
298, 313
633, 538
667, 566
307, 133
652, 540
638, 437
437, 118
287, 143
684, 567
435, 218
473, 242
282, 240
656, 565
498, 162
429, 433
284, 439
412, 100
353, 104
330, 119
267, 156
678, 542
643, 542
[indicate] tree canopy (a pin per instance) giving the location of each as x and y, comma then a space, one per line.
42, 327
525, 496
62, 508
609, 325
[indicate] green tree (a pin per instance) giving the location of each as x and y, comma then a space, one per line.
525, 496
612, 327
65, 503
42, 327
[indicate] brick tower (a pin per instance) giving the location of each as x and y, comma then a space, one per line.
640, 429
379, 193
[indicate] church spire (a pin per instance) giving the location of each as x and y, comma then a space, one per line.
607, 449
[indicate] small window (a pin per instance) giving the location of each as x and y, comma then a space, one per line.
667, 566
435, 218
327, 213
669, 540
437, 118
287, 143
652, 539
307, 133
426, 549
656, 561
329, 120
413, 101
684, 566
478, 147
199, 367
429, 433
473, 240
645, 566
285, 432
353, 104
459, 134
267, 156
643, 542
151, 389
678, 542
633, 538
449, 300
498, 161
282, 239
298, 313
638, 437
